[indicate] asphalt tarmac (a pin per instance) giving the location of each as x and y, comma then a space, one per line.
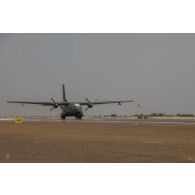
139, 122
112, 121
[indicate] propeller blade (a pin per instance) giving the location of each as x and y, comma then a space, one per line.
86, 108
51, 108
89, 104
55, 105
53, 100
87, 100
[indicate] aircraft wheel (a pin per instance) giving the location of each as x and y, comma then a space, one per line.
63, 116
78, 117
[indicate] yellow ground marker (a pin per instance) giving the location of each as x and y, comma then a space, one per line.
18, 120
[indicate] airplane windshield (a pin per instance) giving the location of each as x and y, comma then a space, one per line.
78, 107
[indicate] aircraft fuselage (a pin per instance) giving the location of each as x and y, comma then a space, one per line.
72, 110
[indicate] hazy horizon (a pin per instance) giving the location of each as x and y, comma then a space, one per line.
156, 70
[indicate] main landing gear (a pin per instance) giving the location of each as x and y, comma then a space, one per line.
78, 116
63, 116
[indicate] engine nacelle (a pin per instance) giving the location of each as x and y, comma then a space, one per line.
90, 105
55, 106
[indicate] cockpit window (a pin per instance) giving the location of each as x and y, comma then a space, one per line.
78, 107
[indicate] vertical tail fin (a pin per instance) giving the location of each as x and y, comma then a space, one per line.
64, 95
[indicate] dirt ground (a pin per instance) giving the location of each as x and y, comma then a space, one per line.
79, 142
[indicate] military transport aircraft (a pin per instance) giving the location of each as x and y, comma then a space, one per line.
70, 108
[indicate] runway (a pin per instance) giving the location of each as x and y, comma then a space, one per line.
140, 122
144, 122
111, 121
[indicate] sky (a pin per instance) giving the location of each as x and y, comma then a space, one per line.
156, 70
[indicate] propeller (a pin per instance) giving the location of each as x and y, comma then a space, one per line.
89, 104
86, 108
55, 105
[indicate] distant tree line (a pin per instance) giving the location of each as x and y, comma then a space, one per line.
146, 115
166, 115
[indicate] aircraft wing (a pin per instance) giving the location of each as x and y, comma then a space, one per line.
40, 103
104, 102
